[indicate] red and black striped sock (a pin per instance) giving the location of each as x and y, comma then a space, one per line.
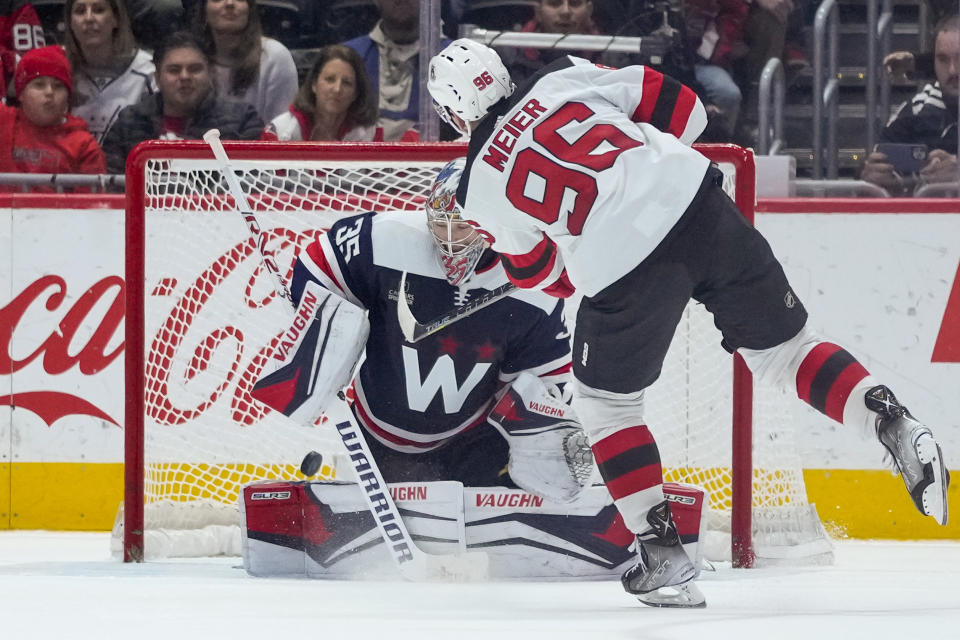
629, 461
826, 378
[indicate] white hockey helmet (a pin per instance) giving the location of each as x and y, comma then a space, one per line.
459, 244
466, 79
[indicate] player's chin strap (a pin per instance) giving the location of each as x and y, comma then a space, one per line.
411, 561
414, 331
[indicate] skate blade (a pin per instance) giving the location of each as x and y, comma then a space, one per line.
680, 596
935, 494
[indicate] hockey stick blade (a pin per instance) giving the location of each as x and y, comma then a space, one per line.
414, 331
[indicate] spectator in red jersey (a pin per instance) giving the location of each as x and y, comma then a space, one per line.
40, 136
335, 102
20, 31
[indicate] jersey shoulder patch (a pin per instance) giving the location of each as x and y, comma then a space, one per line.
401, 242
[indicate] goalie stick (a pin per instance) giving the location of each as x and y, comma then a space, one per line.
414, 331
412, 562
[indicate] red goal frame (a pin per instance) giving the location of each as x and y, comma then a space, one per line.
741, 420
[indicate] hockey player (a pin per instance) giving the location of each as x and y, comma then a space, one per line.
583, 179
425, 406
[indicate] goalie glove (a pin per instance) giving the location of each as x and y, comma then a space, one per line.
314, 359
549, 453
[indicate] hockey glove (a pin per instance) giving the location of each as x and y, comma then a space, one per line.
549, 453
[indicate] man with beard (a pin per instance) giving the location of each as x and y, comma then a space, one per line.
929, 118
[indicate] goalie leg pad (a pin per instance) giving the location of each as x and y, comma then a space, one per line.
690, 506
315, 357
325, 529
549, 453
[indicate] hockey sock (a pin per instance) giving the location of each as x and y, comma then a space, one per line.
834, 383
629, 463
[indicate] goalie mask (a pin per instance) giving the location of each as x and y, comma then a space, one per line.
459, 244
465, 80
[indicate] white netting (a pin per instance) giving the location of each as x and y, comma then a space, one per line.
211, 314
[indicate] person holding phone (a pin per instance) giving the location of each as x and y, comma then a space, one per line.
929, 119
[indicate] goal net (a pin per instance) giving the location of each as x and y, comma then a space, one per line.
202, 314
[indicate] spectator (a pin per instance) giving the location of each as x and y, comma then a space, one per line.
185, 106
20, 31
154, 20
40, 136
109, 71
248, 67
662, 27
550, 16
390, 53
773, 29
929, 118
905, 67
715, 33
335, 102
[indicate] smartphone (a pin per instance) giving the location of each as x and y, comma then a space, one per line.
905, 158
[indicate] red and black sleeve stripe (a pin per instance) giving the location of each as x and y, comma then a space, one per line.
664, 103
530, 269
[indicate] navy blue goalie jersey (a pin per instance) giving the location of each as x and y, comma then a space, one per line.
413, 397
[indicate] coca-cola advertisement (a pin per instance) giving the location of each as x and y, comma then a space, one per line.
211, 311
61, 336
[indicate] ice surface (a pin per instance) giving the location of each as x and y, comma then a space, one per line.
64, 585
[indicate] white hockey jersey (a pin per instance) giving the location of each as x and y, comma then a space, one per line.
582, 172
100, 95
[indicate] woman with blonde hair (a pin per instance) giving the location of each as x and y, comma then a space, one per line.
248, 67
335, 102
109, 71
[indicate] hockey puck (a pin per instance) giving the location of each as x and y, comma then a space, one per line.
311, 463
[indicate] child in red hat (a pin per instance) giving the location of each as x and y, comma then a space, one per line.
40, 136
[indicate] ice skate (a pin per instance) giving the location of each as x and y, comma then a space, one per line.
915, 453
663, 575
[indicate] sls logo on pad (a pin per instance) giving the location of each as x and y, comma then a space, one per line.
270, 495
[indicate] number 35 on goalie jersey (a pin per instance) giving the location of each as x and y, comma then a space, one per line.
413, 397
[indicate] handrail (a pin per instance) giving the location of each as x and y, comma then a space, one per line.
938, 190
825, 92
61, 181
879, 28
429, 42
771, 81
566, 42
804, 188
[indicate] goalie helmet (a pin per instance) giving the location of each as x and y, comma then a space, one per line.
459, 244
465, 80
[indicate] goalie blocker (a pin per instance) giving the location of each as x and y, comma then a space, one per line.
314, 358
324, 529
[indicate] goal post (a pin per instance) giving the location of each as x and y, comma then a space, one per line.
202, 314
